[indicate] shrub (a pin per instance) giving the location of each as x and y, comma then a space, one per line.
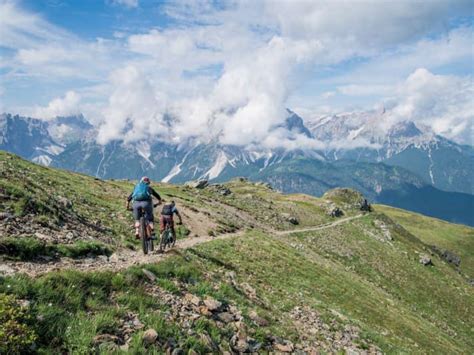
15, 335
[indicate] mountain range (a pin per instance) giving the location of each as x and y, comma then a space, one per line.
399, 163
252, 271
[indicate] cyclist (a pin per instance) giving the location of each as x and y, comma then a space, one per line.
167, 213
142, 197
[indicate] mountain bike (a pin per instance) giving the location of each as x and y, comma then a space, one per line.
144, 231
167, 239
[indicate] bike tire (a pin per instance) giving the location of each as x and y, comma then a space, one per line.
143, 235
169, 239
163, 241
150, 245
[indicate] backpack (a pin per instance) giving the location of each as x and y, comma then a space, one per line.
167, 210
141, 192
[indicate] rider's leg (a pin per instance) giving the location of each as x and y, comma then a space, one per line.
151, 228
137, 227
162, 224
173, 231
149, 216
136, 216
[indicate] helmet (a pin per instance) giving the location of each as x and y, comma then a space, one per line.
145, 179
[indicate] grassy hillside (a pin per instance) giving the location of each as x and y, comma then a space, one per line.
454, 237
281, 274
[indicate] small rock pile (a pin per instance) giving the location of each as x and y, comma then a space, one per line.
447, 255
317, 336
122, 337
220, 189
184, 310
197, 184
384, 236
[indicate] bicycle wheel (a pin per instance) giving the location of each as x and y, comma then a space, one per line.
162, 241
150, 244
143, 235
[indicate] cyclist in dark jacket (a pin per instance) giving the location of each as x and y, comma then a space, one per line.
167, 213
142, 197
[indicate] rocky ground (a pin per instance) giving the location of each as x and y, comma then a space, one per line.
187, 309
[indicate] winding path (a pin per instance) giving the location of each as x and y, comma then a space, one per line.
125, 258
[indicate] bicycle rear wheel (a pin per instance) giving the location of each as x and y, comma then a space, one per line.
143, 235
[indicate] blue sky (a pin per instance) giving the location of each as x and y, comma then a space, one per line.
122, 61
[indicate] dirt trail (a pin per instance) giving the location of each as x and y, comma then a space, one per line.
125, 258
324, 226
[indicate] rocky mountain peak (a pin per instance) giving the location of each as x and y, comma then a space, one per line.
404, 129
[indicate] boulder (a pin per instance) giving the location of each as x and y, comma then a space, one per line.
150, 336
293, 220
192, 299
64, 202
451, 257
226, 317
336, 212
284, 347
212, 304
262, 322
151, 276
224, 191
249, 291
197, 184
240, 345
425, 260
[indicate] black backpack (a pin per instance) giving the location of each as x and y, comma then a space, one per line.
167, 210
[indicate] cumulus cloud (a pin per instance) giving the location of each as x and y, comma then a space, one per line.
443, 102
61, 106
227, 72
133, 111
245, 104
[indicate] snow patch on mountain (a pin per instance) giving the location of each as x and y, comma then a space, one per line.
42, 160
52, 149
144, 150
176, 169
218, 167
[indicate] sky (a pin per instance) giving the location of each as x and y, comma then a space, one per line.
229, 69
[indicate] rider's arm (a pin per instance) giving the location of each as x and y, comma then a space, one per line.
129, 198
175, 210
155, 194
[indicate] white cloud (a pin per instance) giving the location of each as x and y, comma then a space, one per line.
126, 3
61, 106
365, 24
442, 102
226, 72
133, 111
